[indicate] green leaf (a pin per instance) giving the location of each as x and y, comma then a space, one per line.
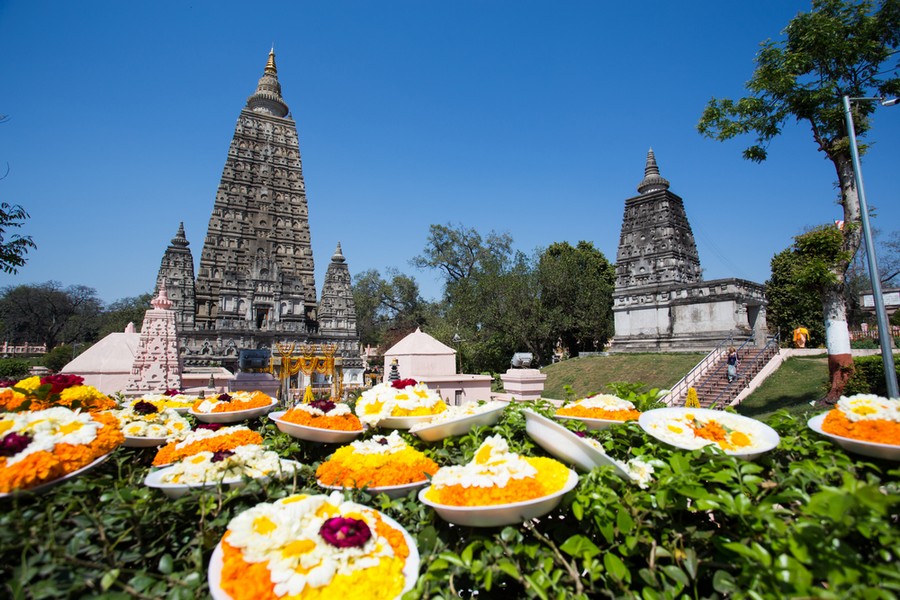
108, 579
624, 522
165, 564
580, 546
616, 567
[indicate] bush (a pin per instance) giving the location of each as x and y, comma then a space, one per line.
13, 368
868, 376
58, 358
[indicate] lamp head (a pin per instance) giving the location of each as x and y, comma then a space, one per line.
890, 101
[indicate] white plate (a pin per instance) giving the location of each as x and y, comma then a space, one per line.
392, 491
176, 490
410, 567
233, 416
44, 487
496, 515
764, 438
312, 434
143, 442
873, 449
460, 426
402, 422
566, 446
594, 424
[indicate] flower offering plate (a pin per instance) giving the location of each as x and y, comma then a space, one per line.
410, 567
403, 422
233, 416
460, 426
143, 442
45, 487
312, 434
658, 423
566, 445
392, 491
593, 424
176, 490
497, 515
872, 449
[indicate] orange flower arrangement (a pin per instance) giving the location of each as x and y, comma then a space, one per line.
497, 476
40, 446
232, 402
865, 417
210, 439
716, 432
601, 406
297, 555
381, 461
39, 393
323, 414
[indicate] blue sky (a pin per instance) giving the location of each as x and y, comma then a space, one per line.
532, 118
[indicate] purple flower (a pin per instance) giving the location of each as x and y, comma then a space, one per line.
143, 407
223, 398
221, 455
13, 443
210, 426
5, 383
172, 392
324, 405
342, 532
580, 434
382, 440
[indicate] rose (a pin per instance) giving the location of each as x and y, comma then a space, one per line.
172, 392
323, 405
221, 455
143, 407
223, 398
210, 426
13, 443
343, 532
61, 382
403, 383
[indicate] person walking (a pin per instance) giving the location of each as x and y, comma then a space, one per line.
731, 362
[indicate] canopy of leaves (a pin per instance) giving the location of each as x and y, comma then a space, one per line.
13, 247
790, 304
50, 314
388, 310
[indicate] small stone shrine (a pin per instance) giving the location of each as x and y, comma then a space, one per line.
255, 285
661, 301
156, 365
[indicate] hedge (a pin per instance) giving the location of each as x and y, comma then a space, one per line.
868, 375
805, 520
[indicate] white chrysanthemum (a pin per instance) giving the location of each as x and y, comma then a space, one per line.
606, 402
458, 412
867, 407
52, 426
250, 460
380, 401
339, 410
493, 466
392, 443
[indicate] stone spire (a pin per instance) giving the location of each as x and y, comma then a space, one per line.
180, 240
652, 181
157, 365
267, 99
338, 255
337, 311
176, 276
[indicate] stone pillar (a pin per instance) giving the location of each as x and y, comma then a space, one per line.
523, 384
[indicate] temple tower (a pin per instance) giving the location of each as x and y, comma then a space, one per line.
256, 267
176, 275
156, 365
337, 311
661, 301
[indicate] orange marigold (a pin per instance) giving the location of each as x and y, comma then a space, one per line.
596, 413
348, 422
171, 452
880, 431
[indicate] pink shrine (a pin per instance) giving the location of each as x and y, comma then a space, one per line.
156, 366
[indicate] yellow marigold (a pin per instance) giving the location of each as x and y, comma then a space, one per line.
596, 413
171, 452
351, 469
551, 476
30, 384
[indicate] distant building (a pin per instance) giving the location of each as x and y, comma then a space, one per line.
255, 285
661, 301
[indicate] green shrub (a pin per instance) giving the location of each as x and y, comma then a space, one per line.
13, 368
58, 358
868, 375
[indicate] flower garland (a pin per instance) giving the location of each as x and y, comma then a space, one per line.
458, 412
305, 547
865, 417
323, 414
378, 462
601, 406
497, 476
212, 440
146, 419
39, 393
40, 446
244, 461
232, 402
401, 398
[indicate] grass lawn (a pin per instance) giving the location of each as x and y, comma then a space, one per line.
590, 375
800, 380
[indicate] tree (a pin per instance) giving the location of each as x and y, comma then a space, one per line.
458, 251
13, 248
388, 310
576, 285
49, 314
838, 48
117, 315
790, 304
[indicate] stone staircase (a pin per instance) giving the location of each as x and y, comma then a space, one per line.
710, 379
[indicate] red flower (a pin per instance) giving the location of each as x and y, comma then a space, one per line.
403, 383
61, 381
324, 405
172, 392
13, 443
5, 383
142, 407
210, 426
343, 532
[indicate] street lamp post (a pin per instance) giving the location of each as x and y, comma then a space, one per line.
884, 332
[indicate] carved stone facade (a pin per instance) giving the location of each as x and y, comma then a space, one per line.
661, 301
337, 311
255, 286
176, 274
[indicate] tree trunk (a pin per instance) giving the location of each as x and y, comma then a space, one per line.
837, 339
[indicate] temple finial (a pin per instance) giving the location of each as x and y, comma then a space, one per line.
652, 181
270, 64
267, 99
338, 255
